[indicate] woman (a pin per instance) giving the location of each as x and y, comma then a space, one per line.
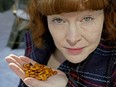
82, 34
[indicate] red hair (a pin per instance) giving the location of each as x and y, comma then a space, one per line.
39, 9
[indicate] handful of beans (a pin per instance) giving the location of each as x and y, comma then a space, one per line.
38, 71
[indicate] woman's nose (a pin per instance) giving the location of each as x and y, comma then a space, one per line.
73, 36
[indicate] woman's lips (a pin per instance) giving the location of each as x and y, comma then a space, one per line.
74, 51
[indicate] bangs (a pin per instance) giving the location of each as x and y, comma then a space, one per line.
50, 7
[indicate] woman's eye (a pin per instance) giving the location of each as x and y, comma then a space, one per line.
87, 19
58, 20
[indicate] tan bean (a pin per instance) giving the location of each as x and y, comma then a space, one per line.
38, 71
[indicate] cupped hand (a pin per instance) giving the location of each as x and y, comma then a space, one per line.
16, 64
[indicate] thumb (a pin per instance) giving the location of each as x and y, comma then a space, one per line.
32, 82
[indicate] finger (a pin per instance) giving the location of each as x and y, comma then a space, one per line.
32, 82
17, 70
60, 76
27, 60
60, 72
9, 59
16, 58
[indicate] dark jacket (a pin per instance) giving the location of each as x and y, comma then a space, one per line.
98, 70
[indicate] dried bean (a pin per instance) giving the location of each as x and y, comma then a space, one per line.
38, 71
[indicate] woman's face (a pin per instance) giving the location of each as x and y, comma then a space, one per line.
76, 34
